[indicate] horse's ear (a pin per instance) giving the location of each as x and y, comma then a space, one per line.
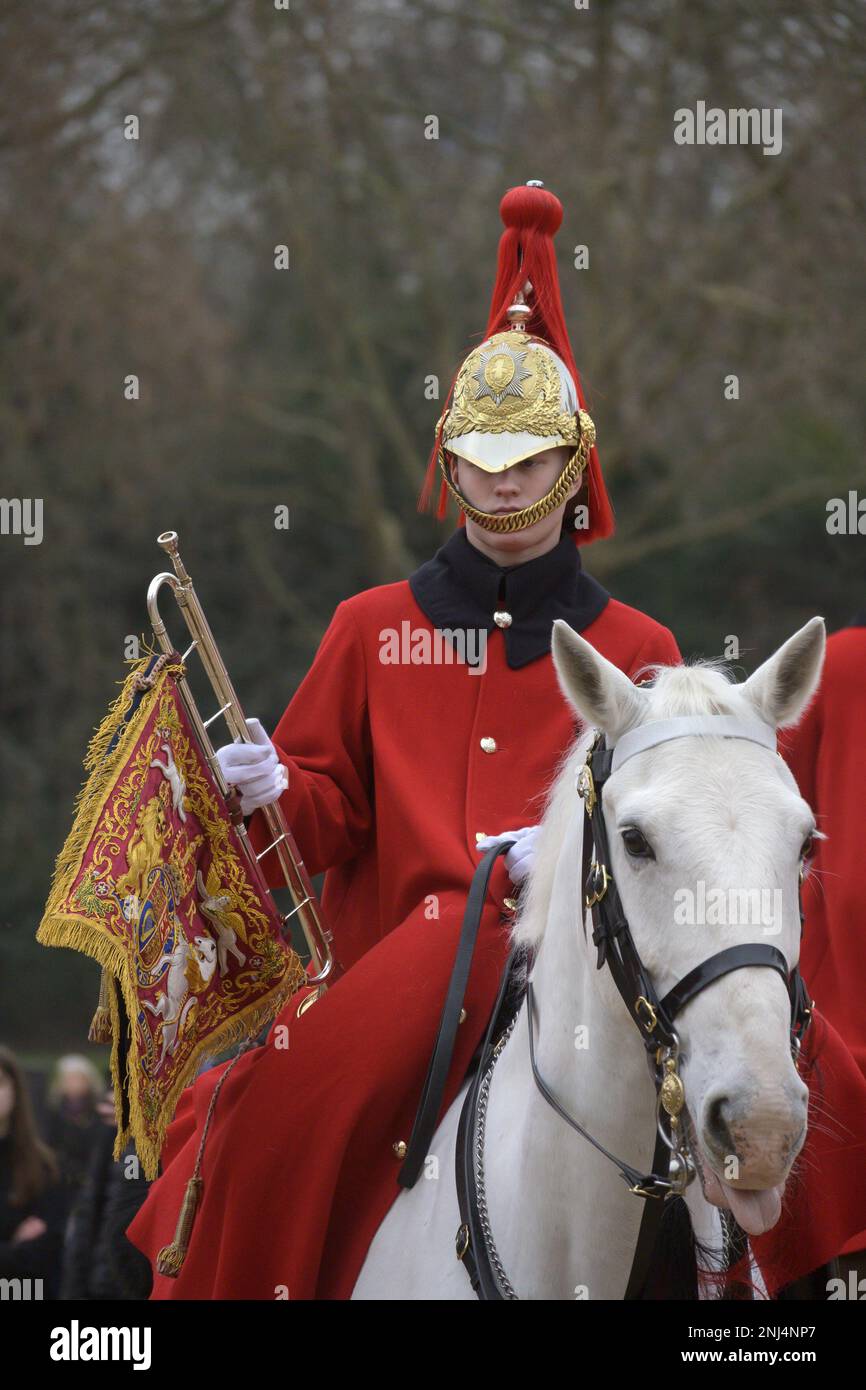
602, 695
781, 689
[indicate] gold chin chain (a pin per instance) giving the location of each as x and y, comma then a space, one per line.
527, 516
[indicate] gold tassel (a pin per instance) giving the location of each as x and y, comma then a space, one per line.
100, 1026
171, 1257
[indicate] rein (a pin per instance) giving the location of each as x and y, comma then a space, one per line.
672, 1167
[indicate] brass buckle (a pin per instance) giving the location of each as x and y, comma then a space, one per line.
595, 896
462, 1236
652, 1013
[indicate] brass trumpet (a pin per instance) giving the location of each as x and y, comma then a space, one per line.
306, 906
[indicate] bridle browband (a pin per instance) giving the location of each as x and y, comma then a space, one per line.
672, 1167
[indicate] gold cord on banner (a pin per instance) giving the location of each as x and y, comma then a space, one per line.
100, 1025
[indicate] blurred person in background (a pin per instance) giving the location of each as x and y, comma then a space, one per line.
32, 1199
73, 1125
98, 1261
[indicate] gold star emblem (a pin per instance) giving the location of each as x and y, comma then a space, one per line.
501, 373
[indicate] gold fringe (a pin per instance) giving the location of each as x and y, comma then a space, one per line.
103, 772
81, 934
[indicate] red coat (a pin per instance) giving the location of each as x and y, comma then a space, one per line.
827, 754
389, 783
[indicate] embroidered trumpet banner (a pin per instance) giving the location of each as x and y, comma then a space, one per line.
154, 883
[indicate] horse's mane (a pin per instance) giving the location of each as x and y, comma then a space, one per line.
704, 687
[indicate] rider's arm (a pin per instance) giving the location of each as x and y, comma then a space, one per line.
323, 741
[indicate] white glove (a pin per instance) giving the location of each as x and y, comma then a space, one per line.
254, 768
520, 858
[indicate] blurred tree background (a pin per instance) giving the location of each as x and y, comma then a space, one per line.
308, 126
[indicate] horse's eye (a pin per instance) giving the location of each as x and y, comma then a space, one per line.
636, 843
807, 846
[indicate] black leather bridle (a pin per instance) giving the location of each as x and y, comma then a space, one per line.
654, 1017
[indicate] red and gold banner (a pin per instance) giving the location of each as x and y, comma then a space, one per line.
154, 883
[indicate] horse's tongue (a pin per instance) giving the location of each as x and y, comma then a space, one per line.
756, 1212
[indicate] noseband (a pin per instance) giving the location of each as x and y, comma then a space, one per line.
672, 1166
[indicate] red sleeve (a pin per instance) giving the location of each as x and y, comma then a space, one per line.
659, 649
323, 740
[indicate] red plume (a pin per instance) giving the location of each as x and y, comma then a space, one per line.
532, 217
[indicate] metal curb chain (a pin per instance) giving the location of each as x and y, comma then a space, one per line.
505, 1285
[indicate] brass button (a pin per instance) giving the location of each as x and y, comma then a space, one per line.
399, 1148
510, 903
462, 1018
480, 835
501, 618
488, 745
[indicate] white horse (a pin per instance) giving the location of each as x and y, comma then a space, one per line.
725, 811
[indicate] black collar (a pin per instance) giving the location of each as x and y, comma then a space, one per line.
461, 588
